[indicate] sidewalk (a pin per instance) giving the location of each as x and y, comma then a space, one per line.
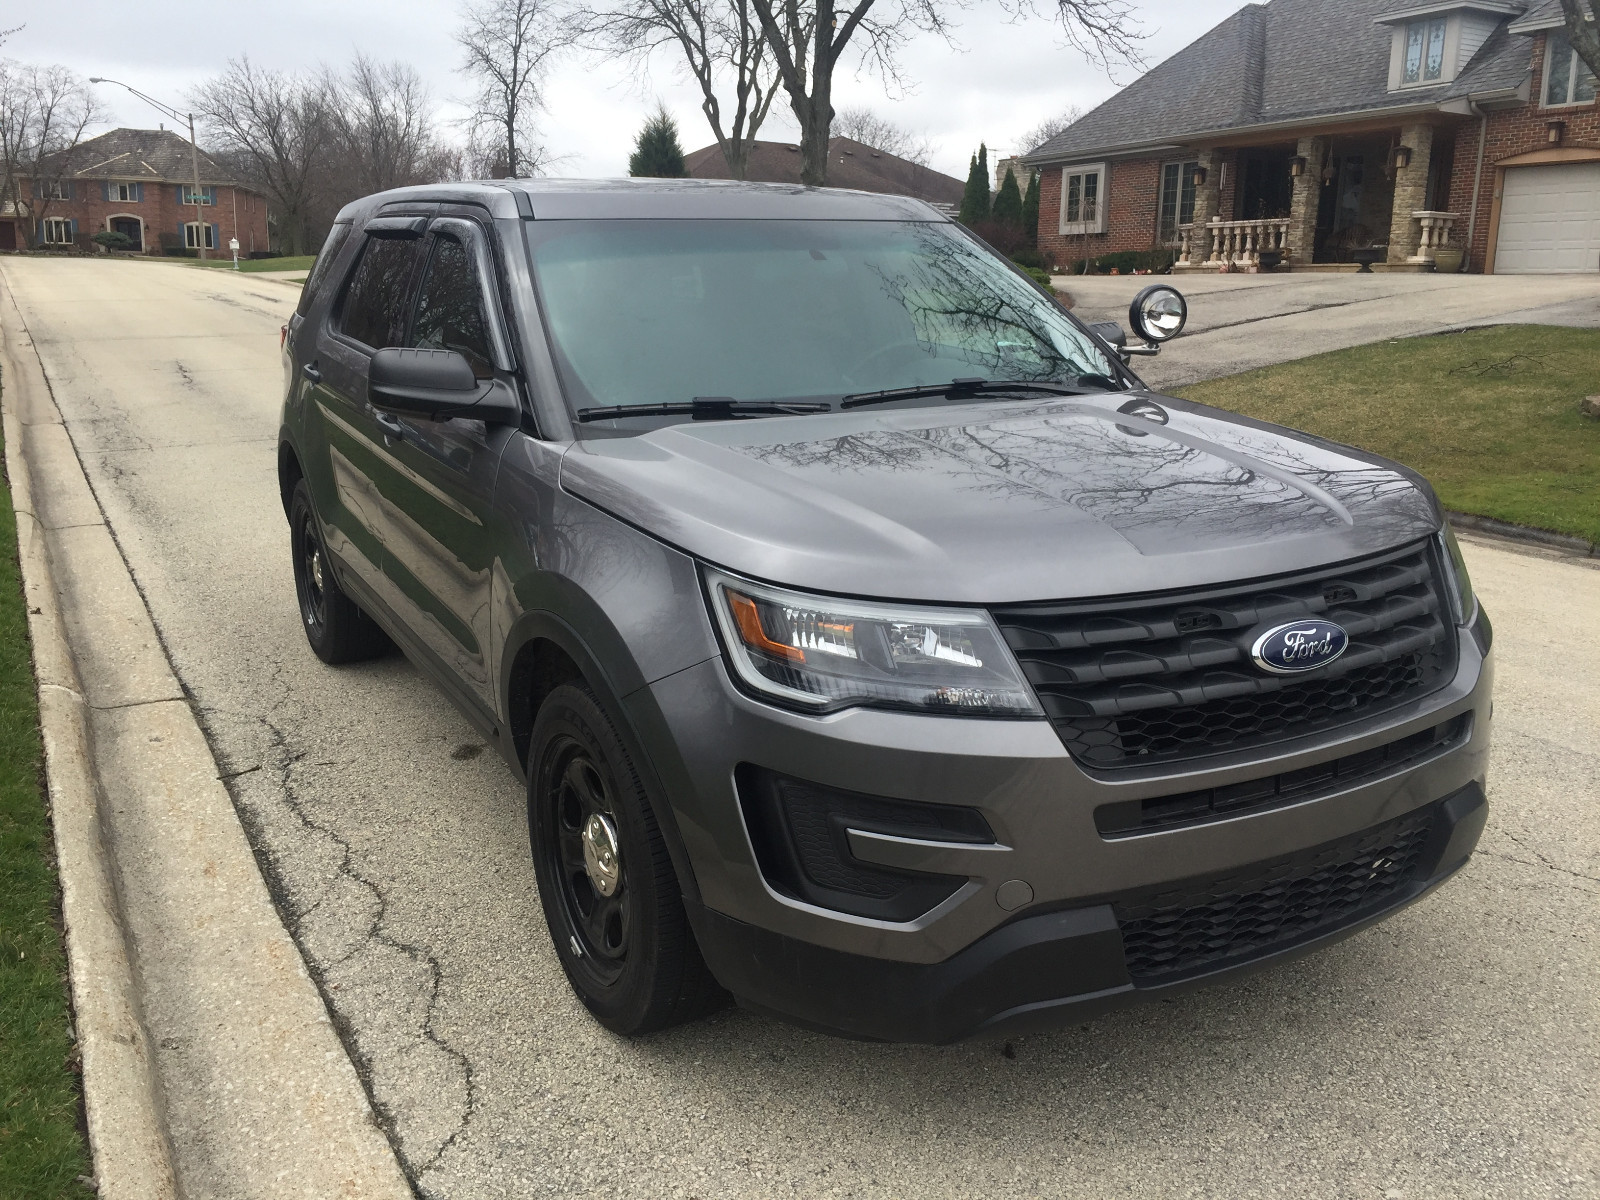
211, 1067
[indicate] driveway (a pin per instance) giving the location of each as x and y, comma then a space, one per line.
1451, 1051
1237, 322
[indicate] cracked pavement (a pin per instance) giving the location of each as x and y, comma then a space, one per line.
1451, 1051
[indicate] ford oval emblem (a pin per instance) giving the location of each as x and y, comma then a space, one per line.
1299, 646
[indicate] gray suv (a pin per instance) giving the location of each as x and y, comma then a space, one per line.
875, 646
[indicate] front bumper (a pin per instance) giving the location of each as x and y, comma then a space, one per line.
977, 961
1035, 973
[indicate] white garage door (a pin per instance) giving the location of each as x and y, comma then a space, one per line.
1549, 220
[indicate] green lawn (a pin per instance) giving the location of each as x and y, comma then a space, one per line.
293, 262
1490, 416
42, 1151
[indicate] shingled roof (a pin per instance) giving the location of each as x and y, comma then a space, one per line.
1273, 63
851, 164
153, 155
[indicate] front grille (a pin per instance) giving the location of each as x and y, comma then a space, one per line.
1126, 818
1168, 677
1205, 924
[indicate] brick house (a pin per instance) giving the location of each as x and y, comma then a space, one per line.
1313, 129
851, 164
137, 182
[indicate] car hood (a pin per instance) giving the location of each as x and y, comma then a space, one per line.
998, 501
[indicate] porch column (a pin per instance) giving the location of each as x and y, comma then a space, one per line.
1410, 192
1301, 240
1207, 203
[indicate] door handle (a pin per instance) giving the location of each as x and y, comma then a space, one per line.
392, 426
309, 370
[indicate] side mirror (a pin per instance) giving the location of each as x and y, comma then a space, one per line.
434, 384
1109, 332
1158, 314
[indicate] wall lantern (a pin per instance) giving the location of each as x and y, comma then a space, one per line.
1199, 177
1400, 158
1297, 166
1553, 131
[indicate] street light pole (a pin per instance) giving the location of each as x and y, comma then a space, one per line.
194, 152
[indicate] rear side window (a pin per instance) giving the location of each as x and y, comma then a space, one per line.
450, 312
375, 301
337, 236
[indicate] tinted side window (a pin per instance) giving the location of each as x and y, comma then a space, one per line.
337, 236
376, 299
450, 311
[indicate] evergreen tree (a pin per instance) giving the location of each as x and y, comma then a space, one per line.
1008, 202
975, 200
657, 153
1030, 210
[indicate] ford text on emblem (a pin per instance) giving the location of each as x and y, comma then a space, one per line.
1299, 646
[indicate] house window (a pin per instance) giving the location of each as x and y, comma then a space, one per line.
1424, 52
1083, 199
59, 189
1567, 78
1177, 198
123, 193
205, 195
57, 231
191, 236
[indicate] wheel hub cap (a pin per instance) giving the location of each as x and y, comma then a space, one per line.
601, 857
316, 568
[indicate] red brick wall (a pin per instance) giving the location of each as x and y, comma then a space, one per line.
1132, 198
237, 213
1510, 132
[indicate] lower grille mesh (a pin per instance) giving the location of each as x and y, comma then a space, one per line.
1208, 923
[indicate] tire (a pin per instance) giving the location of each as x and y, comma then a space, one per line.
338, 631
629, 955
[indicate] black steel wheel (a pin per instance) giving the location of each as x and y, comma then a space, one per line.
606, 882
339, 632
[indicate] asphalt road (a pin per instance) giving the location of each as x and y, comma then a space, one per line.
1453, 1051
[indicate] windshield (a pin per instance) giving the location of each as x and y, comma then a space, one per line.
661, 312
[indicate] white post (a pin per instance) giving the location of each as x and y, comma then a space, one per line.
233, 244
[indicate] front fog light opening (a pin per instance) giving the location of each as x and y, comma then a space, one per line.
823, 653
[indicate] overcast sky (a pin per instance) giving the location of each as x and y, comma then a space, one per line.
999, 82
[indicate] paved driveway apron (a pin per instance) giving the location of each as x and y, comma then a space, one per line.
1451, 1051
1237, 322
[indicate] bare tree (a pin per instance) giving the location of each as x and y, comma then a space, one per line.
867, 127
278, 128
1583, 30
508, 45
1049, 128
808, 38
383, 134
720, 45
44, 113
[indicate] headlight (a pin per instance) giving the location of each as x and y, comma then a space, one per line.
1466, 603
823, 654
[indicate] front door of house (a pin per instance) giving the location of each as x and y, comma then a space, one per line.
131, 228
8, 235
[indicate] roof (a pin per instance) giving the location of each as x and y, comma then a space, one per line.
851, 164
640, 199
158, 155
1278, 62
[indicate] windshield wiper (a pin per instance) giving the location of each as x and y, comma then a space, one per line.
959, 388
702, 408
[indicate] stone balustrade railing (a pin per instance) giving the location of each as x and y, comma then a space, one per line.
1436, 230
1234, 243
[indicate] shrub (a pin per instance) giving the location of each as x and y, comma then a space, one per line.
1027, 258
1126, 262
1039, 276
1007, 238
112, 240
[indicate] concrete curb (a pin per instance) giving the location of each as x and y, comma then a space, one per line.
126, 1136
211, 1066
1524, 533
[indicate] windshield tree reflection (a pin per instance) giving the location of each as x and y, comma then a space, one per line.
649, 312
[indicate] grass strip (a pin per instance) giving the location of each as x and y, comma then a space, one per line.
1490, 416
293, 262
42, 1149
